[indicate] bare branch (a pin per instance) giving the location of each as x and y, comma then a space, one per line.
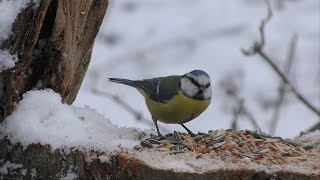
243, 110
250, 116
257, 49
258, 45
231, 84
236, 114
291, 87
283, 85
263, 24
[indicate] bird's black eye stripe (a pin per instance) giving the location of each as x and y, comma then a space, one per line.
193, 81
196, 83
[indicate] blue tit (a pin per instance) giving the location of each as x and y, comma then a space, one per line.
174, 99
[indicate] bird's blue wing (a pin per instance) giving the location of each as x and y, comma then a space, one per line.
160, 89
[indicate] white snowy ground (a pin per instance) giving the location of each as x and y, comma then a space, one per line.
145, 39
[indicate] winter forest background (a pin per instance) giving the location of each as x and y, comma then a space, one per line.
145, 39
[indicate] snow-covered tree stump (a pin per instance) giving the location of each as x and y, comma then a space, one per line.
39, 162
47, 139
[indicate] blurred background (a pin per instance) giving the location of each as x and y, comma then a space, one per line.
151, 38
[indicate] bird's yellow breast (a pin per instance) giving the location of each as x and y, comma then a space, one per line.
179, 109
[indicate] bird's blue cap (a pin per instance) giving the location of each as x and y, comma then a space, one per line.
199, 73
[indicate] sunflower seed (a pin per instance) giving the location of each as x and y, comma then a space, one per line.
177, 147
137, 147
251, 156
176, 135
175, 141
308, 147
218, 144
163, 149
146, 143
218, 138
176, 152
153, 141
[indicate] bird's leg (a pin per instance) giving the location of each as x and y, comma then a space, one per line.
189, 131
156, 123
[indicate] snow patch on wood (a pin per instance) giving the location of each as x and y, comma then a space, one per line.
40, 117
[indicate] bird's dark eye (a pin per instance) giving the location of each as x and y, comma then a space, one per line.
207, 85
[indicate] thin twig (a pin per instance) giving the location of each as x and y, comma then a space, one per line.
236, 113
258, 45
244, 110
283, 85
290, 86
257, 48
250, 117
232, 85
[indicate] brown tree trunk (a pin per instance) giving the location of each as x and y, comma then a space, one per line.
54, 44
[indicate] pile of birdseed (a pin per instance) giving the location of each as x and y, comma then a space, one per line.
234, 146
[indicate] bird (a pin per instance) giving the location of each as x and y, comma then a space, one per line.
175, 99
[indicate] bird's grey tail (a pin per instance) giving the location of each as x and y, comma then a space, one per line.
123, 81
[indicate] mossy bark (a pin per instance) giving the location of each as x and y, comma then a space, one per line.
53, 41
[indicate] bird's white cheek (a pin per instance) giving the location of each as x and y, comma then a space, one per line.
208, 93
189, 88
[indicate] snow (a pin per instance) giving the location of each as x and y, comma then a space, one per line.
310, 138
24, 172
8, 166
145, 39
40, 117
315, 135
70, 176
193, 163
7, 60
33, 173
8, 12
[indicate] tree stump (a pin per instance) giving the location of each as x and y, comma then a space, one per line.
39, 162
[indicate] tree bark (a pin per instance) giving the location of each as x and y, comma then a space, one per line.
54, 43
